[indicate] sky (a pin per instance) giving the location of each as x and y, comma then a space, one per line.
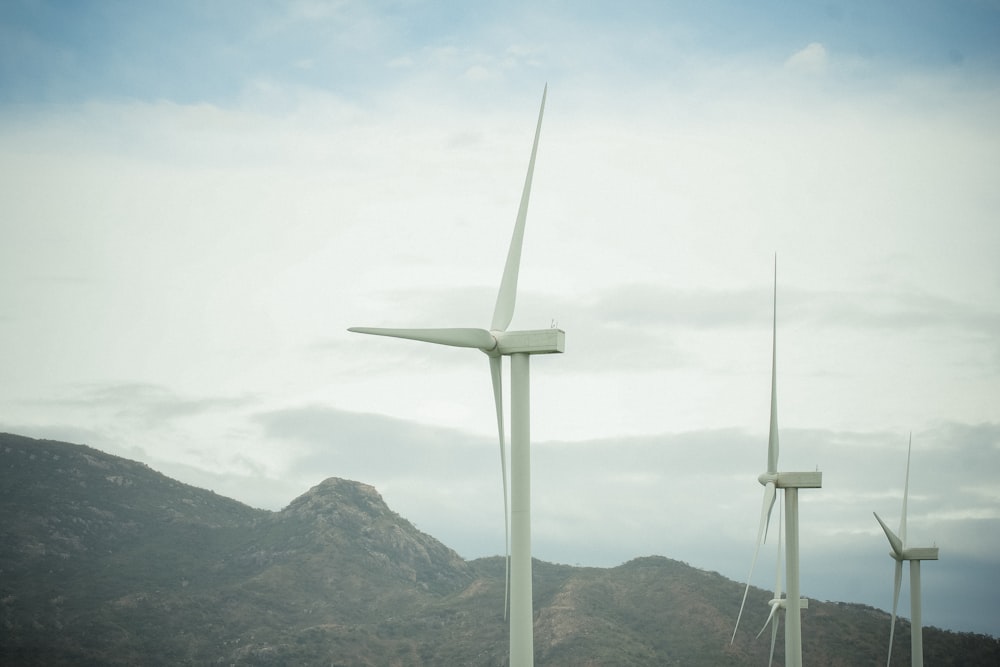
198, 199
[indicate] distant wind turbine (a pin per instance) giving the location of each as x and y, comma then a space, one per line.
518, 345
899, 553
789, 483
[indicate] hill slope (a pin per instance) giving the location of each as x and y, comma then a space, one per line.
105, 561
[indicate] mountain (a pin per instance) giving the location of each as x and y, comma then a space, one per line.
106, 561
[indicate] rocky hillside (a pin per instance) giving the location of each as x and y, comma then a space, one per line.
105, 561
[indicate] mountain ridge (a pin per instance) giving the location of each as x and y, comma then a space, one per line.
105, 560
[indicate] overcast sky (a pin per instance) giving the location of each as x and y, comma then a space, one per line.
197, 199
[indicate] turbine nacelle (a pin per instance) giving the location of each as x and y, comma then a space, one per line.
783, 603
536, 341
916, 553
792, 480
920, 553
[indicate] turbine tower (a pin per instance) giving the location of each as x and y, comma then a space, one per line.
789, 483
899, 553
497, 342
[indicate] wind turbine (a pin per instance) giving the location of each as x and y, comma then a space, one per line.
789, 483
497, 342
899, 553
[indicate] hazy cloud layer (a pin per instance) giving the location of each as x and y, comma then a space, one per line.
691, 495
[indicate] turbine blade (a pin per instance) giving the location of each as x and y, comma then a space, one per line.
770, 617
457, 337
503, 312
765, 515
496, 366
769, 492
774, 635
906, 493
772, 436
894, 541
777, 580
895, 602
777, 588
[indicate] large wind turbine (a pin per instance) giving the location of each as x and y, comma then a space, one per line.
789, 483
899, 553
497, 342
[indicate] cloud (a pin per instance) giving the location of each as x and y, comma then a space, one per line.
477, 73
147, 403
360, 444
689, 495
875, 308
861, 469
810, 60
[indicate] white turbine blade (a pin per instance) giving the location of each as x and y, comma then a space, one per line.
769, 498
496, 366
777, 588
772, 435
777, 583
895, 602
894, 541
457, 337
503, 312
770, 617
906, 493
765, 516
774, 636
